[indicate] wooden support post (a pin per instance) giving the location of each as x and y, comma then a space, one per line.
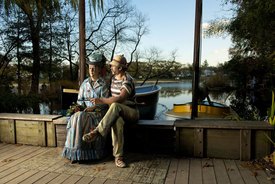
245, 144
198, 142
51, 136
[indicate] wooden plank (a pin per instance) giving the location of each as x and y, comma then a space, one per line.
110, 181
182, 176
6, 171
125, 182
22, 177
67, 168
149, 175
50, 133
61, 121
208, 173
32, 117
30, 132
12, 176
246, 174
245, 144
221, 143
233, 172
134, 174
18, 159
61, 133
59, 179
186, 146
11, 155
3, 145
198, 142
263, 178
42, 134
159, 176
261, 145
56, 164
157, 123
221, 171
98, 181
7, 131
85, 180
35, 177
195, 173
223, 124
8, 148
142, 167
72, 179
46, 179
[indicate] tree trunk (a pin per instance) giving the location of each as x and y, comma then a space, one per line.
35, 67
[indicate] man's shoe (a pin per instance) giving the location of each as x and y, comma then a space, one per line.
119, 162
90, 137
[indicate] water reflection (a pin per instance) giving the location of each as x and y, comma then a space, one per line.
181, 92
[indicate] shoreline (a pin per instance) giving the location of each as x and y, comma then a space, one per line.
164, 81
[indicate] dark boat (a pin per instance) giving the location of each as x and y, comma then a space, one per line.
147, 99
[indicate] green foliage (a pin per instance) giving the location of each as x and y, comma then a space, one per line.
244, 109
73, 108
271, 112
217, 81
252, 28
12, 103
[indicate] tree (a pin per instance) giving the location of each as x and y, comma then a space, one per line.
252, 55
119, 29
36, 11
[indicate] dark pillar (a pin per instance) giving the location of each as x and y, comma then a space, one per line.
82, 44
196, 59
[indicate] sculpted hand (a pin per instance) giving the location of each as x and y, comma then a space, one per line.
90, 109
96, 101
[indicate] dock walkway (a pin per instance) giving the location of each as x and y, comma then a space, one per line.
33, 164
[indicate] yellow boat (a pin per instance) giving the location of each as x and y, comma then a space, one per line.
205, 110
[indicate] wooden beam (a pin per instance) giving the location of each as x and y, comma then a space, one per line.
196, 59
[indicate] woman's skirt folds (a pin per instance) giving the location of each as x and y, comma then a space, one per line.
79, 124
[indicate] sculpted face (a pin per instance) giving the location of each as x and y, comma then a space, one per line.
94, 71
115, 69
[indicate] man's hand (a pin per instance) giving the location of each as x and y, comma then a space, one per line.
96, 101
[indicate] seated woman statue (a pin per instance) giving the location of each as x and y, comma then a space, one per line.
87, 115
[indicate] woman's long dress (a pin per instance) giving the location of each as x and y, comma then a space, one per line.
82, 122
79, 124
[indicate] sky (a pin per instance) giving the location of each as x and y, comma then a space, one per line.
171, 24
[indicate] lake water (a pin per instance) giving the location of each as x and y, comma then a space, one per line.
179, 93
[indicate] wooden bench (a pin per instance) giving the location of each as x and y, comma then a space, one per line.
33, 129
217, 138
243, 140
68, 96
61, 123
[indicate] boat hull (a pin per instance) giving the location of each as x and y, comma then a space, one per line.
205, 109
147, 99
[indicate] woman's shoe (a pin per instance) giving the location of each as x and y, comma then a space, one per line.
74, 161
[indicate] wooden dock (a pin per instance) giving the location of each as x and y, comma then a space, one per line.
34, 164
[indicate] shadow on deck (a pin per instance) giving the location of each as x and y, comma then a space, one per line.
34, 164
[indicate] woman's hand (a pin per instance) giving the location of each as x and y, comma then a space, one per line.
77, 108
89, 109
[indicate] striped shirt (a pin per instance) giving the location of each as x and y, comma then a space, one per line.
127, 83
